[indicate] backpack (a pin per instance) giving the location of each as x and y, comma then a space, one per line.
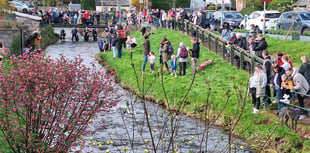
183, 53
170, 49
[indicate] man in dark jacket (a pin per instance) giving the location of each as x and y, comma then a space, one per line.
305, 68
261, 45
267, 66
240, 43
195, 55
146, 50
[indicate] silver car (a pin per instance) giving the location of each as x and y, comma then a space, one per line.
299, 20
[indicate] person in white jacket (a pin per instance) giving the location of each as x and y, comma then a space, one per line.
258, 84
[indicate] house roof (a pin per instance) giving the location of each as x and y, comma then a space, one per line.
300, 3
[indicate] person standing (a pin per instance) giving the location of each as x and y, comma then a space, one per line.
305, 68
113, 44
261, 45
276, 84
119, 45
182, 56
152, 61
173, 63
195, 55
146, 51
301, 86
267, 66
164, 49
257, 90
74, 33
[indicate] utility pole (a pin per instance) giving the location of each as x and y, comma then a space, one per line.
222, 11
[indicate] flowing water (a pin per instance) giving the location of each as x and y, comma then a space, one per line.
124, 126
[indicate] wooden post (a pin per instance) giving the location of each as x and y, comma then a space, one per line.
232, 54
209, 41
242, 54
252, 64
224, 50
216, 44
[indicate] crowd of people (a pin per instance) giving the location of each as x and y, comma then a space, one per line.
276, 73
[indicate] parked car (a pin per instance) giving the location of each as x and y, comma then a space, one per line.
232, 17
257, 18
19, 6
299, 19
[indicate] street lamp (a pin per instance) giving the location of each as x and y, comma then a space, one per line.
140, 2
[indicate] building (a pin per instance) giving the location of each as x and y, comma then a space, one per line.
302, 5
112, 5
204, 3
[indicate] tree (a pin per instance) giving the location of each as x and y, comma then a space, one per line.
3, 4
46, 105
88, 4
281, 5
136, 3
168, 4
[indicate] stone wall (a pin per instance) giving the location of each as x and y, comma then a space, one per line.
7, 35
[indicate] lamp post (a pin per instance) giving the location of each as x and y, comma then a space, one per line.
140, 2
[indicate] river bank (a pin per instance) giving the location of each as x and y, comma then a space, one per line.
124, 128
220, 80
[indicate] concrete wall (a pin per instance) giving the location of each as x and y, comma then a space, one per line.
7, 35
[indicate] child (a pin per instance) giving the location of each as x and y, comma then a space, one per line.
152, 61
101, 44
286, 86
173, 65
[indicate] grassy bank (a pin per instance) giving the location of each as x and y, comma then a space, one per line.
219, 79
294, 48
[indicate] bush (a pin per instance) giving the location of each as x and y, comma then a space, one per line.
48, 36
306, 33
211, 7
283, 32
241, 30
16, 45
248, 10
47, 104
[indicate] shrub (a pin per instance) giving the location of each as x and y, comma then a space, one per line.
47, 104
248, 10
306, 33
48, 36
211, 7
16, 45
283, 32
241, 30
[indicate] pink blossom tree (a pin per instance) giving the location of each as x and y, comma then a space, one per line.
46, 105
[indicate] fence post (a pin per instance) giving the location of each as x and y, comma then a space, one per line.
209, 41
232, 54
187, 27
252, 64
242, 58
224, 50
197, 33
21, 40
202, 36
216, 44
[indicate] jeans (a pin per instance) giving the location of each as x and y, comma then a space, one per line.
279, 95
119, 50
255, 101
114, 51
193, 65
144, 62
182, 70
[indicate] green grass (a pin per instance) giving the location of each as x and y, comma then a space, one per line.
294, 48
254, 128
